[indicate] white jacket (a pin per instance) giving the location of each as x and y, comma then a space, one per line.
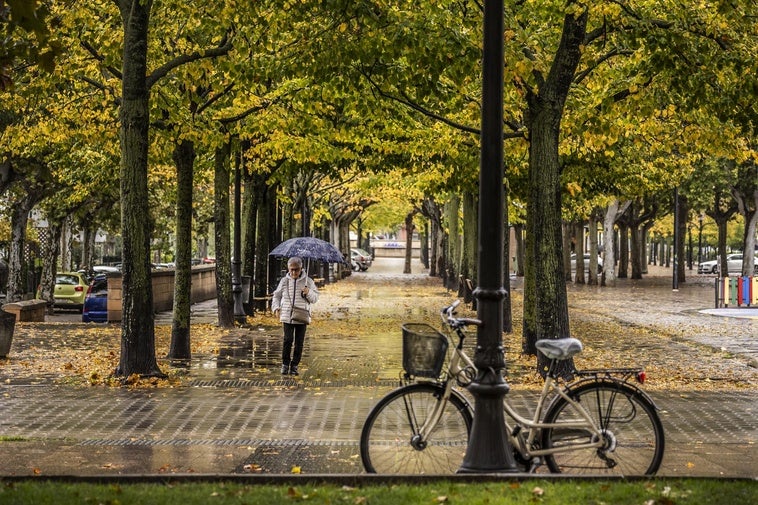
289, 290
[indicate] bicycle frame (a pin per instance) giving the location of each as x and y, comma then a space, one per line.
532, 426
524, 446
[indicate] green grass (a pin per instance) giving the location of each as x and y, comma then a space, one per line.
506, 492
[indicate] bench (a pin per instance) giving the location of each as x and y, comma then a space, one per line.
27, 310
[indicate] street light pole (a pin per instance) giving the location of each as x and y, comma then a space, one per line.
489, 450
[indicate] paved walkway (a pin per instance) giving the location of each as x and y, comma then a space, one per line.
232, 420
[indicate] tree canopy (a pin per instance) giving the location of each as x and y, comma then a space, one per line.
361, 110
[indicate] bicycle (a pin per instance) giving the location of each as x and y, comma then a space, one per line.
598, 422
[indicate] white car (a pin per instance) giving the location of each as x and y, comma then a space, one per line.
733, 262
587, 263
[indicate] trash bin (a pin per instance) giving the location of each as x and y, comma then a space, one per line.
7, 325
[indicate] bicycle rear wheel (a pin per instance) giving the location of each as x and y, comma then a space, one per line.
633, 439
389, 442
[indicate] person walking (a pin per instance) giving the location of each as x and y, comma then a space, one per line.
292, 300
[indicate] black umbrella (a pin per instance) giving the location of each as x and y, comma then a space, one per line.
308, 248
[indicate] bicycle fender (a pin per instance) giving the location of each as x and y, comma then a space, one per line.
622, 384
457, 394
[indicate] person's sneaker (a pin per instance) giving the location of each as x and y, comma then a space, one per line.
293, 370
285, 369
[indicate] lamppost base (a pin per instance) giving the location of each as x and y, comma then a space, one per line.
489, 450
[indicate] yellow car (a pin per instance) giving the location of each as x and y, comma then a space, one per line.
70, 290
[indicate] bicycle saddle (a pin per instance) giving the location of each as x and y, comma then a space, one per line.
561, 348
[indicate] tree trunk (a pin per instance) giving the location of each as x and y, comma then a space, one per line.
567, 234
137, 324
745, 193
184, 159
408, 241
453, 255
424, 245
433, 213
520, 249
88, 243
257, 239
468, 268
545, 298
269, 229
644, 233
613, 211
16, 272
65, 245
507, 303
592, 279
623, 251
434, 241
263, 233
580, 277
681, 236
50, 250
222, 235
634, 246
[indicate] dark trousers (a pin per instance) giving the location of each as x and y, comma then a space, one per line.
293, 333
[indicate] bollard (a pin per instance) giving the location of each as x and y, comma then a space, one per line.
7, 325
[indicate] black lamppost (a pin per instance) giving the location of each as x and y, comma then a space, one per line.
489, 450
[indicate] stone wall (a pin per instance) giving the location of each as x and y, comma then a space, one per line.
203, 288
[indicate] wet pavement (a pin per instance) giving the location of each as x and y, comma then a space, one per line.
237, 416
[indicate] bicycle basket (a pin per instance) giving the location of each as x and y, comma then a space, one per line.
424, 350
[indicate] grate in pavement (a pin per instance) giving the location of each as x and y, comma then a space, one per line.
248, 383
124, 442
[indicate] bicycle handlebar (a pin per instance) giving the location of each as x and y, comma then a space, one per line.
448, 317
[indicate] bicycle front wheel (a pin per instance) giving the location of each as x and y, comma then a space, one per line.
632, 433
390, 442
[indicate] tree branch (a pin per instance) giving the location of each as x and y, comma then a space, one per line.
223, 48
214, 99
580, 76
405, 100
95, 54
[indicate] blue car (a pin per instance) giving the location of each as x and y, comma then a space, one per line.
96, 302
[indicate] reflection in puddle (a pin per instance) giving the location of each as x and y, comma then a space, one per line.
237, 354
245, 352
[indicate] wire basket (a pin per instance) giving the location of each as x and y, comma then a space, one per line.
424, 350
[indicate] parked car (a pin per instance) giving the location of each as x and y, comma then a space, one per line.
368, 258
96, 301
70, 290
360, 259
587, 263
733, 263
99, 269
